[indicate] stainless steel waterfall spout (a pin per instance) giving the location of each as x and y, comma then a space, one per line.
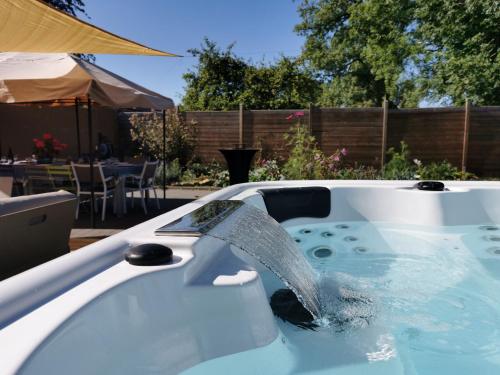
201, 220
258, 234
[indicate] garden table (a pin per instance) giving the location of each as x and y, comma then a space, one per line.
120, 171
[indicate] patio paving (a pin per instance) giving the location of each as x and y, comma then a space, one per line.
82, 234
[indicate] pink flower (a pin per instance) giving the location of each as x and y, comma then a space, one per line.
336, 158
343, 151
299, 114
289, 117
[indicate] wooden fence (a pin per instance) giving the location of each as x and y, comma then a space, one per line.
468, 137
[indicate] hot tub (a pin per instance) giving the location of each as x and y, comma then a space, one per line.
416, 275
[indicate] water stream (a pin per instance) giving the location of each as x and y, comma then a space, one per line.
256, 233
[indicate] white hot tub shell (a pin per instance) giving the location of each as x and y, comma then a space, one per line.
92, 312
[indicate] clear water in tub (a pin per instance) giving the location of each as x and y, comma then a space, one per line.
429, 304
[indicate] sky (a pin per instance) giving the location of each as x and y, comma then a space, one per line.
261, 29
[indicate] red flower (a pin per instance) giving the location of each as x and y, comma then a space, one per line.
289, 117
39, 144
47, 136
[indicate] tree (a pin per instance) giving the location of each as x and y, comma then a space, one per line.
360, 49
217, 81
461, 42
222, 80
69, 6
403, 50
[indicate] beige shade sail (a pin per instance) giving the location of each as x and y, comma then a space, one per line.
33, 26
36, 77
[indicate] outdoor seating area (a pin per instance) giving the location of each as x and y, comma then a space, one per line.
114, 182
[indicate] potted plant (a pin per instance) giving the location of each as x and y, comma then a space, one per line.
46, 148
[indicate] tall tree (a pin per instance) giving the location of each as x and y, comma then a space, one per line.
222, 80
403, 50
461, 41
360, 49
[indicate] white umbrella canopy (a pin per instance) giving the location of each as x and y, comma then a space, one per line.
35, 77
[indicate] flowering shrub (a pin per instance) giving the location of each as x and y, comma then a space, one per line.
147, 131
399, 167
266, 170
306, 161
47, 147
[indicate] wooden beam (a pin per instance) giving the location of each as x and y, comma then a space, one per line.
241, 126
465, 145
385, 117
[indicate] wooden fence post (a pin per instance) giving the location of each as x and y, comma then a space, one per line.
310, 118
465, 146
385, 117
241, 126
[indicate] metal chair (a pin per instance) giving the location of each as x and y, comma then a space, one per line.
142, 183
61, 177
103, 186
37, 180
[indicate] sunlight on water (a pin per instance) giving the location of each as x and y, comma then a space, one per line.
397, 300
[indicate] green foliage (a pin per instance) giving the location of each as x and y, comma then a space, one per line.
306, 161
300, 164
399, 167
266, 170
209, 174
222, 80
441, 171
173, 171
147, 132
357, 173
360, 48
461, 45
403, 50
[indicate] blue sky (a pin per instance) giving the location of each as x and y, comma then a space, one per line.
262, 30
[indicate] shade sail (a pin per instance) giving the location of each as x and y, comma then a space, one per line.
33, 26
35, 77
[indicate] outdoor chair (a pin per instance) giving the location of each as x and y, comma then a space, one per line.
37, 180
61, 177
143, 183
104, 187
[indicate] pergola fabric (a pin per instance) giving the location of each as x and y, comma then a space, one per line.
35, 77
33, 26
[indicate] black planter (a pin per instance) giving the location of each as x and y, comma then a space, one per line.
238, 162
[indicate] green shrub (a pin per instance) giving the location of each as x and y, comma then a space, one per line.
399, 167
441, 171
306, 161
266, 170
300, 163
147, 133
358, 173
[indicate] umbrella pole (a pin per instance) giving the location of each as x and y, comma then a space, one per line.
91, 164
164, 155
77, 119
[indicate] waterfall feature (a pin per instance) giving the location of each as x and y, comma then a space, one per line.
259, 235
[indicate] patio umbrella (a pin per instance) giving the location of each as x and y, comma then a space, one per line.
37, 77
